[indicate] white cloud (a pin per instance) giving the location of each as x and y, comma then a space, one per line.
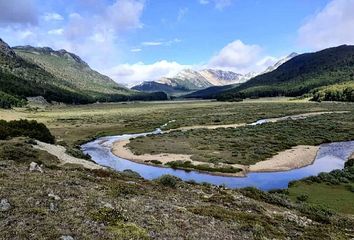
221, 4
132, 74
237, 56
161, 43
181, 13
203, 2
332, 26
18, 12
136, 50
152, 43
53, 17
58, 31
218, 4
125, 14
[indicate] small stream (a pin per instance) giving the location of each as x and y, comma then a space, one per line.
330, 156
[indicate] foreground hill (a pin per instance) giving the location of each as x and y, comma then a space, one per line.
57, 76
300, 75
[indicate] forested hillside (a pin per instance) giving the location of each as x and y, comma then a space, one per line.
300, 75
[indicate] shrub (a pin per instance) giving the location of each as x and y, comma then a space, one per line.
349, 163
302, 198
156, 162
25, 128
168, 180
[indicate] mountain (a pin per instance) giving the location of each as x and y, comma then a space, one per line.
70, 69
57, 76
301, 74
280, 62
189, 80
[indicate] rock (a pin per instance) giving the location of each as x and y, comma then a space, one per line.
301, 221
35, 167
55, 197
4, 205
66, 237
53, 207
107, 205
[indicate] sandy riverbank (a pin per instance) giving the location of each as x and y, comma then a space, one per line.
60, 153
296, 157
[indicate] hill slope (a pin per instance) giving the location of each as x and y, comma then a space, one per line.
57, 76
300, 75
71, 69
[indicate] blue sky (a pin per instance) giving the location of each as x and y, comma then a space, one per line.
137, 40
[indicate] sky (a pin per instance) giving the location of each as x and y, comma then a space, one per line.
142, 40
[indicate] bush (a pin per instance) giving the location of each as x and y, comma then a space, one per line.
25, 128
302, 198
168, 180
156, 162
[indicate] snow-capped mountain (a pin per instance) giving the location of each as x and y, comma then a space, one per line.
189, 80
192, 80
280, 62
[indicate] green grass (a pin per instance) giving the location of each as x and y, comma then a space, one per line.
336, 197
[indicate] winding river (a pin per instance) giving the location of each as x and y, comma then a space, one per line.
330, 156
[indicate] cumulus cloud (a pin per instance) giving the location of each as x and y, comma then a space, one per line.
332, 26
132, 74
18, 12
238, 57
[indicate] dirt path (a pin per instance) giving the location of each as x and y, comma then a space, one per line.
60, 153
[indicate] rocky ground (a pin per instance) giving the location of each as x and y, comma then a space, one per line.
42, 199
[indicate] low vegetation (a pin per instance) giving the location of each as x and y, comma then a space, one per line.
103, 204
187, 165
340, 92
251, 144
334, 190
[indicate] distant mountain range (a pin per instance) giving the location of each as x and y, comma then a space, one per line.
59, 76
189, 80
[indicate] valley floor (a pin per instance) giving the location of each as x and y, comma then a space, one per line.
70, 200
